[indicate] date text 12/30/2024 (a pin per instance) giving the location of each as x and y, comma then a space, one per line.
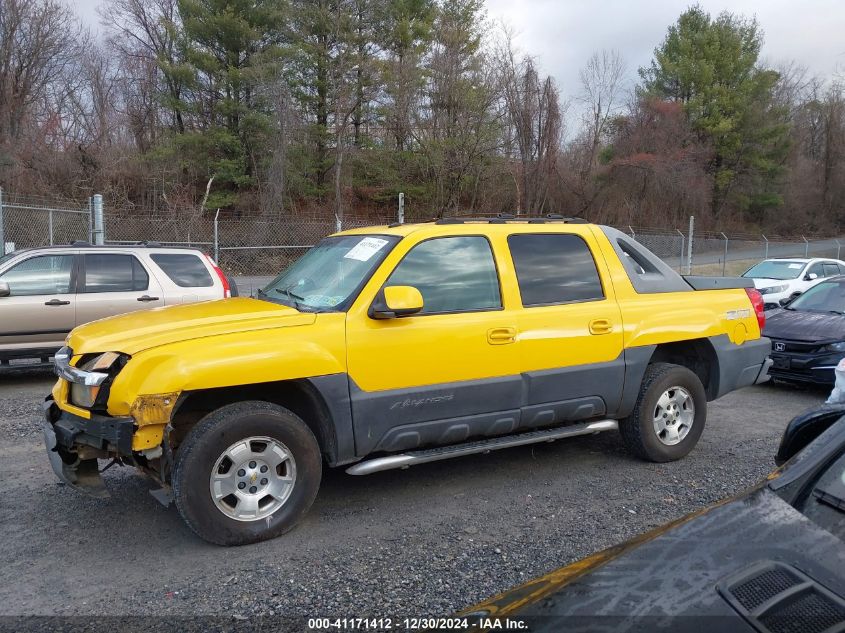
416, 624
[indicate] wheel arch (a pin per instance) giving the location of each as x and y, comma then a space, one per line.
697, 355
314, 400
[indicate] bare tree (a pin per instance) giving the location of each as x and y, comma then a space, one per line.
602, 91
38, 44
534, 126
146, 31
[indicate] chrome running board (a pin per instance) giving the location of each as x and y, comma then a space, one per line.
412, 458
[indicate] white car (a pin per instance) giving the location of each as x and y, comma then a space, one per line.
779, 279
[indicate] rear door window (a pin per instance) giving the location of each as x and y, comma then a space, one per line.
830, 269
554, 268
42, 275
107, 272
184, 269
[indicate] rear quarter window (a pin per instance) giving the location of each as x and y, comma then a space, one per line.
184, 269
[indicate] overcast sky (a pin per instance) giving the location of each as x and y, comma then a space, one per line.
562, 34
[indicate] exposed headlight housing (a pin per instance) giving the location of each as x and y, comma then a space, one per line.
87, 379
834, 347
774, 289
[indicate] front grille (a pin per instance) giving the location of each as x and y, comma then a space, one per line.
759, 589
812, 612
794, 346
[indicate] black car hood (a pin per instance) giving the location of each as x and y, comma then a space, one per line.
810, 327
672, 582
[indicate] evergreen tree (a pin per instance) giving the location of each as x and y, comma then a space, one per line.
231, 48
711, 67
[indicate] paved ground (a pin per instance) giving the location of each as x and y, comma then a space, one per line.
428, 540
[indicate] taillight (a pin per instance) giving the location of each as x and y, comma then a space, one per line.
757, 304
227, 291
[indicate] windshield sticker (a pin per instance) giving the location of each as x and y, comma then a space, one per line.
365, 249
795, 265
322, 301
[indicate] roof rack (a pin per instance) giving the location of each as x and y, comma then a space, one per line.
504, 218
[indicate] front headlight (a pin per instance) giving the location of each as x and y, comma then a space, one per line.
834, 347
83, 395
774, 289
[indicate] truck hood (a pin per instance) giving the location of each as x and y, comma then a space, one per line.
137, 331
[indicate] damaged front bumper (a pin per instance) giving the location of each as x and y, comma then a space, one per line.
74, 443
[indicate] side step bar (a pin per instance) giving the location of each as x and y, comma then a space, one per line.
412, 458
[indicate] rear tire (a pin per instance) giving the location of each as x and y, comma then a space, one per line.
246, 472
669, 415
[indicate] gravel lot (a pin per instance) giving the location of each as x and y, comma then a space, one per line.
424, 541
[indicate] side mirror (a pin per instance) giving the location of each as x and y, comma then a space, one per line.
396, 301
806, 427
5, 291
811, 277
785, 302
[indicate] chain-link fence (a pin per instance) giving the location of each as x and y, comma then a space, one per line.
28, 222
264, 245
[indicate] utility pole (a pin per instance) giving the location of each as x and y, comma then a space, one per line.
99, 232
689, 244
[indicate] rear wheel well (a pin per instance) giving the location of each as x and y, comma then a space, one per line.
697, 355
299, 396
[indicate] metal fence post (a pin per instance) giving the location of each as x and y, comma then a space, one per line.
2, 234
838, 248
806, 246
689, 244
216, 241
765, 239
99, 231
50, 225
681, 260
633, 235
401, 208
725, 260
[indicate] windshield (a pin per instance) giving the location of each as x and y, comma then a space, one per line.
775, 269
828, 296
330, 274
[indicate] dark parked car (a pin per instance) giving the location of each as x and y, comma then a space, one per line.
808, 334
771, 559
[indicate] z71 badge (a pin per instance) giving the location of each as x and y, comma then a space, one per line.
733, 315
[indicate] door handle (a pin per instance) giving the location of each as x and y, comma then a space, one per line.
600, 326
501, 335
56, 302
147, 298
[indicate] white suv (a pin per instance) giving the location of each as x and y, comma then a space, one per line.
46, 292
779, 279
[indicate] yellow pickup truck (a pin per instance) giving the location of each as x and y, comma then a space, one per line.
398, 345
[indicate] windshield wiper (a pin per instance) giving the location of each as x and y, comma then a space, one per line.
294, 297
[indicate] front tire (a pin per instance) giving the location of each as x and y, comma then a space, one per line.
246, 472
668, 418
